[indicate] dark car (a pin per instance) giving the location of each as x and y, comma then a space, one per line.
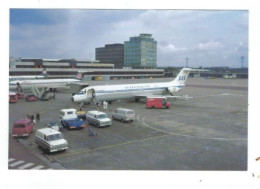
31, 98
55, 126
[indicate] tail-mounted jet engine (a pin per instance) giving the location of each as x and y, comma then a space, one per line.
172, 90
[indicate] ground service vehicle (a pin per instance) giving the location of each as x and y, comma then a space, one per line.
123, 114
67, 114
81, 114
31, 98
50, 140
157, 102
98, 119
12, 97
74, 123
55, 126
20, 95
22, 127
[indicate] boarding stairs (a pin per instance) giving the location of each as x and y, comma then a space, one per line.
40, 93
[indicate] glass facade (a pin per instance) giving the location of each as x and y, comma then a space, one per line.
140, 51
111, 53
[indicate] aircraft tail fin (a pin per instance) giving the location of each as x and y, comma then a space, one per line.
79, 76
183, 75
44, 72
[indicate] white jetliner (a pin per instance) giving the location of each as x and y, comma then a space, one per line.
135, 91
50, 83
28, 77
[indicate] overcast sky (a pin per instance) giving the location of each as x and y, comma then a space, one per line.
207, 38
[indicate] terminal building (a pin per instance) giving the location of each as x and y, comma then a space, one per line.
68, 68
111, 54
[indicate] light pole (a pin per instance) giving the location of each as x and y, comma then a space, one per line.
187, 61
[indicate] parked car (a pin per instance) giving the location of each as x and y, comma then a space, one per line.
98, 119
157, 102
50, 140
55, 126
31, 98
123, 114
22, 128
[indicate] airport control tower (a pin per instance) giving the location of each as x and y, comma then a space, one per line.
140, 52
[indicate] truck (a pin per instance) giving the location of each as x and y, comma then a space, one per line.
69, 119
67, 114
73, 123
50, 140
157, 102
22, 128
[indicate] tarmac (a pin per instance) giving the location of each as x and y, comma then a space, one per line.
207, 132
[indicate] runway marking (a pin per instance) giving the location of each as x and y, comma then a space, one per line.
37, 167
185, 135
26, 166
222, 94
20, 164
111, 146
10, 159
16, 163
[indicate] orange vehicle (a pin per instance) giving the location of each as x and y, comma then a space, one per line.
12, 97
157, 102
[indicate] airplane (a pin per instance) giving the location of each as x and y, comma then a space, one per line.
28, 77
111, 93
52, 84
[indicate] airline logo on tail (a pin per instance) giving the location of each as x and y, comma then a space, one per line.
182, 78
79, 76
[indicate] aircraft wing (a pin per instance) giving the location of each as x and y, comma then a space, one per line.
183, 97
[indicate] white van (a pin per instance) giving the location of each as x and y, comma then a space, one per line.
67, 114
123, 114
98, 118
50, 140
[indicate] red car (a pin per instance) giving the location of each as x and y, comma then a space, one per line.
31, 98
22, 127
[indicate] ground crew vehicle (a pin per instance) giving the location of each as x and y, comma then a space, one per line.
31, 98
81, 114
67, 114
73, 123
20, 95
55, 126
70, 120
157, 102
50, 140
123, 114
98, 119
22, 128
12, 97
